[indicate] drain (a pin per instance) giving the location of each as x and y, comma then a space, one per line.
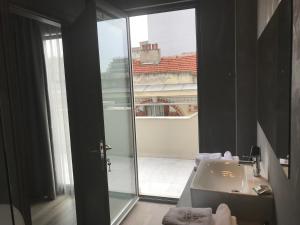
235, 191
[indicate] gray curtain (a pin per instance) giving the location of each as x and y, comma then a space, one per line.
4, 188
11, 144
33, 109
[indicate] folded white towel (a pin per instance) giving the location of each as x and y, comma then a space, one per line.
207, 156
228, 155
187, 215
223, 215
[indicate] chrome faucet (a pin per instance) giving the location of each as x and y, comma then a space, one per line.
255, 155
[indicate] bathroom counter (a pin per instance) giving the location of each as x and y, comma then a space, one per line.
185, 201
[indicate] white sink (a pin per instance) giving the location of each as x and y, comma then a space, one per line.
226, 181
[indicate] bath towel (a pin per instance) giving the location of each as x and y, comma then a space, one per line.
223, 215
188, 216
206, 156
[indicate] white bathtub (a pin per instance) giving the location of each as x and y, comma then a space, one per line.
226, 181
221, 176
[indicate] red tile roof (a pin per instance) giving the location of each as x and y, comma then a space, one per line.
173, 64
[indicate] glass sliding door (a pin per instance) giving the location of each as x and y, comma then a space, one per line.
118, 114
166, 106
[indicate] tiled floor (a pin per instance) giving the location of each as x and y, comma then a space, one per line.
121, 177
162, 177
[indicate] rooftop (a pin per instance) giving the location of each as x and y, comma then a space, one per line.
171, 64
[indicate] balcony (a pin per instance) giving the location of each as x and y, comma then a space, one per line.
166, 149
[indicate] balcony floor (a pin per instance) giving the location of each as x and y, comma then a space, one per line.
163, 177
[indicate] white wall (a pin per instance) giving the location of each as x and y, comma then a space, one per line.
171, 137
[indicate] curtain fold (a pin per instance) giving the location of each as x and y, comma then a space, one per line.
10, 115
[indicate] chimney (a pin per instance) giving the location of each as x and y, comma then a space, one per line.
150, 53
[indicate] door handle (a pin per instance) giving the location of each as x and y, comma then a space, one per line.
101, 148
107, 147
100, 151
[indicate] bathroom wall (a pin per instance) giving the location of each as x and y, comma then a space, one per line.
227, 82
245, 80
216, 77
286, 191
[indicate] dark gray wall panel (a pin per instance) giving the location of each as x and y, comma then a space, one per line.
286, 191
274, 78
216, 49
246, 78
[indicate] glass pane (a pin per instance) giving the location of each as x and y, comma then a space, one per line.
164, 60
117, 104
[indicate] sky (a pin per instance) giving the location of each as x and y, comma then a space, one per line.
173, 31
114, 31
138, 27
112, 38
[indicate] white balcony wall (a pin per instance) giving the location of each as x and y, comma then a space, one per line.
169, 137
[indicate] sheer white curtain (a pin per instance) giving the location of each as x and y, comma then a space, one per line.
59, 113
